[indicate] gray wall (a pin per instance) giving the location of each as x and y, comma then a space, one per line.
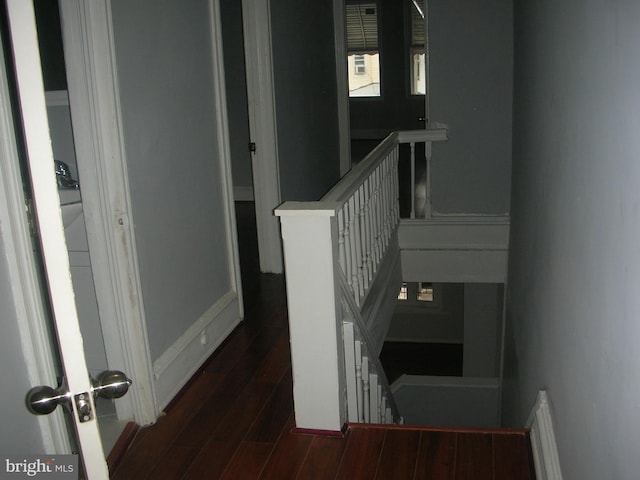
573, 302
471, 47
482, 321
20, 429
236, 87
306, 98
415, 322
163, 55
447, 401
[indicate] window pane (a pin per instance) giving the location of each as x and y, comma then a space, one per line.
425, 292
362, 49
418, 76
403, 295
418, 38
364, 75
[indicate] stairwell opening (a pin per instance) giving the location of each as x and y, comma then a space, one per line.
442, 353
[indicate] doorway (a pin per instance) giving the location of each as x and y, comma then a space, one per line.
112, 417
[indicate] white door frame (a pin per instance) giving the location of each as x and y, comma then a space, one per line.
95, 109
256, 19
342, 81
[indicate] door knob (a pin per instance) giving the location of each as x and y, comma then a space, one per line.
111, 384
43, 399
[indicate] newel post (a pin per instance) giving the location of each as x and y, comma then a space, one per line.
310, 243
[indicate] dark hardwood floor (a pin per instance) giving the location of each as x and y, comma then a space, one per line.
234, 419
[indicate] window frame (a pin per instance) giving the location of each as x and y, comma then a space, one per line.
364, 52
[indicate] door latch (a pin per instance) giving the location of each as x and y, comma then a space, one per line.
43, 400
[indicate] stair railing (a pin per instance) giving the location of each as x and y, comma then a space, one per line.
351, 233
369, 397
413, 137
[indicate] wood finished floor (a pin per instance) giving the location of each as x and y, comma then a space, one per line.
234, 420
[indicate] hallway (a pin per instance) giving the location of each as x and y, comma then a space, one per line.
234, 419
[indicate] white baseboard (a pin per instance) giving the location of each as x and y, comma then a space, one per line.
543, 440
182, 359
243, 194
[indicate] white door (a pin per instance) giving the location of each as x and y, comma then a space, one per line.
40, 159
262, 128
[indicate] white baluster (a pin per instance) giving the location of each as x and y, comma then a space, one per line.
374, 409
365, 389
427, 206
359, 385
413, 180
358, 242
350, 371
363, 239
354, 258
373, 219
396, 184
385, 211
389, 416
387, 204
342, 256
347, 245
379, 217
367, 228
383, 408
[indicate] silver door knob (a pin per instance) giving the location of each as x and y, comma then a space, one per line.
43, 400
111, 384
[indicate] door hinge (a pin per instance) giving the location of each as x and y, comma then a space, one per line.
252, 147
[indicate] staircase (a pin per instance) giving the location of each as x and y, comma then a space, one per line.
346, 257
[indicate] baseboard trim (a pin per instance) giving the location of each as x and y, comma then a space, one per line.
543, 440
181, 360
317, 432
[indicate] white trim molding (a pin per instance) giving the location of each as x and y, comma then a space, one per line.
342, 80
543, 440
455, 249
95, 107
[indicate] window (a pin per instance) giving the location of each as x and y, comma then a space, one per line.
425, 292
421, 295
417, 59
403, 295
363, 56
359, 65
